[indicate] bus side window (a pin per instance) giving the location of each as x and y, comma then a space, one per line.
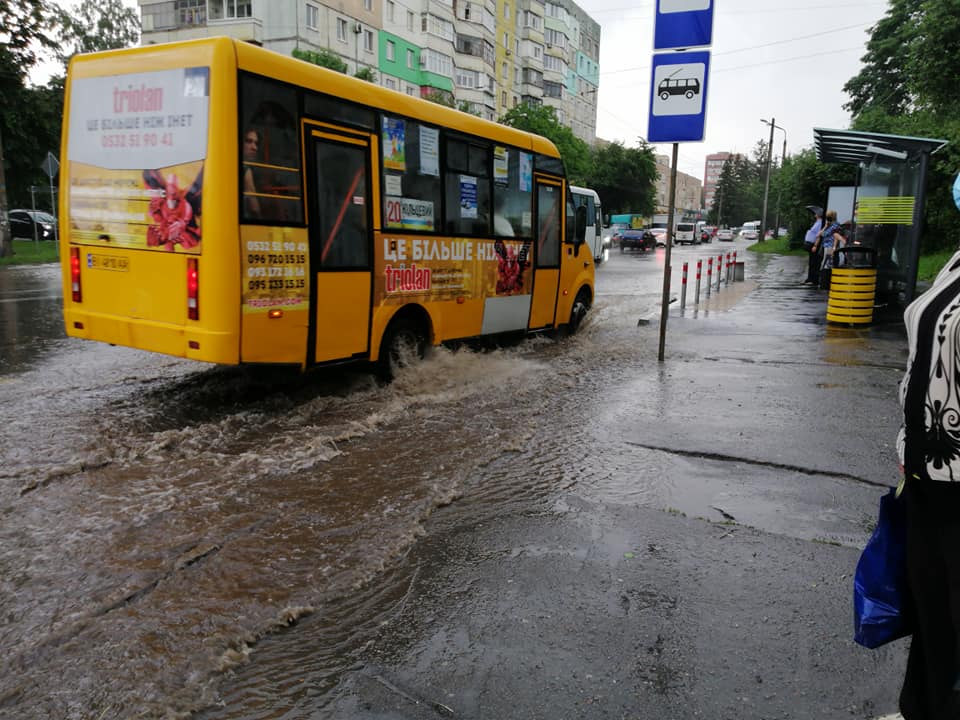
512, 194
467, 183
270, 179
411, 175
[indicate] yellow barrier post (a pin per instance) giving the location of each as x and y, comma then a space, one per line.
853, 286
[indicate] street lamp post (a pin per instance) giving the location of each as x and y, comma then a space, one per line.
766, 184
783, 159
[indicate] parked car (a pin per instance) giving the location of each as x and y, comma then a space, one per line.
725, 234
22, 224
611, 234
660, 235
637, 240
750, 231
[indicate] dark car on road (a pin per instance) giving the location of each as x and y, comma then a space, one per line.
22, 223
637, 240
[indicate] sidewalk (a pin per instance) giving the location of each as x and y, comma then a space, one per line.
697, 560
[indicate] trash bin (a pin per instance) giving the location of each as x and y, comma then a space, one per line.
853, 285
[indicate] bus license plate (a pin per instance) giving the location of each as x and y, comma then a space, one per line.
96, 261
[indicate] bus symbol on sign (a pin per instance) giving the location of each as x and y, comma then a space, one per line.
688, 87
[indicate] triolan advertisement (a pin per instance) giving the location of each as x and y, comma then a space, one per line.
136, 147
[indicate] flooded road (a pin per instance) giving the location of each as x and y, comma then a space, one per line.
179, 539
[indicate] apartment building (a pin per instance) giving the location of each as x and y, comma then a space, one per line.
689, 191
485, 55
713, 167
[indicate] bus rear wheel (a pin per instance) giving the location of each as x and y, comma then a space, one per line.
403, 345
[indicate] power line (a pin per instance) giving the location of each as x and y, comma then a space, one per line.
756, 47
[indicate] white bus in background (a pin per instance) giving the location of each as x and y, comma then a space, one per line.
591, 201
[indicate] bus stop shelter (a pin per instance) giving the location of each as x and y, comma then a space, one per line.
888, 200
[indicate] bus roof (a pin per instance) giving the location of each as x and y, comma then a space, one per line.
585, 191
258, 60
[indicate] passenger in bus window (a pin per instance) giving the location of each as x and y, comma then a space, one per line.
251, 149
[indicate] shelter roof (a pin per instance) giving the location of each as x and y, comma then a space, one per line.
852, 146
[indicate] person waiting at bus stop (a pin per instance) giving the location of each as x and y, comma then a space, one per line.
815, 259
828, 240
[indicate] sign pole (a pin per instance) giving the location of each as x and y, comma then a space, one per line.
666, 259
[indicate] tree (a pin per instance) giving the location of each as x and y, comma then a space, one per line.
882, 82
323, 58
366, 73
441, 97
542, 120
625, 178
24, 23
96, 25
907, 87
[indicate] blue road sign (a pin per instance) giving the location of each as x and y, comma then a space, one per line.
678, 97
683, 24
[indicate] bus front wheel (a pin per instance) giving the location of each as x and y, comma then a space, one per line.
578, 312
403, 345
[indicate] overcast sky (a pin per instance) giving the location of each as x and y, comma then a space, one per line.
786, 60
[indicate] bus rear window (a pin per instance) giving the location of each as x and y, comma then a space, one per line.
270, 153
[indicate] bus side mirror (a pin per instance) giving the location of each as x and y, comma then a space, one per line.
580, 233
606, 221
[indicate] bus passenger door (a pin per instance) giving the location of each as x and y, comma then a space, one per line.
341, 252
546, 256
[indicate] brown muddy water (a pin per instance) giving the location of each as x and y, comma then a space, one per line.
180, 540
160, 519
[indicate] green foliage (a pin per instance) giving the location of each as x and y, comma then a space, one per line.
908, 87
739, 194
31, 129
625, 178
542, 120
932, 263
96, 25
24, 24
441, 97
803, 180
28, 252
366, 73
323, 58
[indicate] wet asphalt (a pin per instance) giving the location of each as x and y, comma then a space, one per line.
735, 602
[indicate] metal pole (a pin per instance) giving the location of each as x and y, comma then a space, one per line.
783, 163
709, 274
696, 294
33, 218
665, 302
683, 287
766, 185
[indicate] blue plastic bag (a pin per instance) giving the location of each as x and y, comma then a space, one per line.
881, 595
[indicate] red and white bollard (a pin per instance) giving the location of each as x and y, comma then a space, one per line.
696, 294
719, 270
729, 268
683, 287
734, 265
709, 274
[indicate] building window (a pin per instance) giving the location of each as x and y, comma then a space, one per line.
368, 5
506, 11
411, 59
503, 98
410, 19
313, 17
391, 10
390, 83
341, 30
230, 9
390, 50
368, 40
191, 12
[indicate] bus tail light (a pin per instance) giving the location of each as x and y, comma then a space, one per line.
75, 274
193, 290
